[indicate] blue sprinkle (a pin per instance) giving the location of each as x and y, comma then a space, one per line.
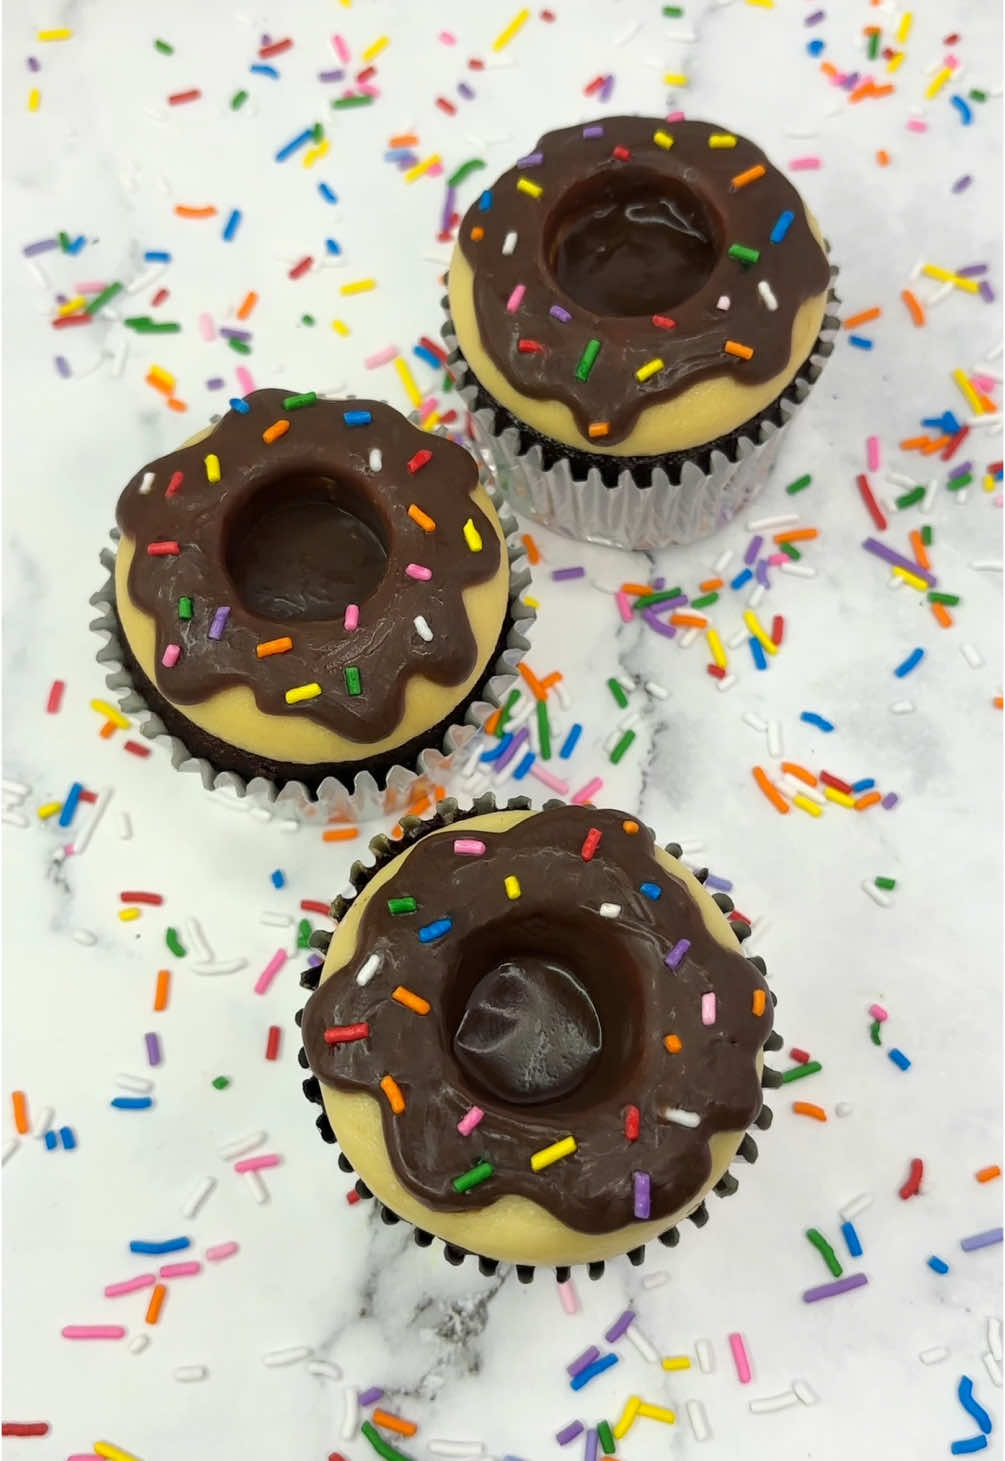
965, 1395
524, 766
906, 666
946, 423
652, 891
67, 1137
51, 1141
328, 193
75, 245
963, 109
300, 140
357, 418
744, 576
332, 246
70, 805
592, 1371
757, 651
866, 784
811, 718
570, 742
781, 228
852, 1239
279, 878
860, 342
265, 71
398, 154
485, 201
815, 47
169, 1245
899, 1059
969, 1446
157, 256
231, 226
132, 1103
237, 404
494, 752
433, 931
426, 355
938, 1265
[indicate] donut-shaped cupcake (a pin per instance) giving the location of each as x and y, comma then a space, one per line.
536, 1038
310, 588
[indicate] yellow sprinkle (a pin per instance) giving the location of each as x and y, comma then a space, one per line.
340, 327
554, 1153
164, 376
989, 483
660, 1412
408, 381
841, 797
432, 421
315, 154
533, 190
651, 367
34, 99
970, 286
113, 1453
531, 603
911, 578
302, 692
663, 139
358, 286
516, 24
212, 467
77, 302
895, 63
973, 400
676, 1362
512, 886
49, 810
421, 167
110, 713
472, 536
627, 1417
62, 34
722, 139
806, 805
938, 81
380, 44
716, 646
904, 28
127, 915
758, 630
675, 78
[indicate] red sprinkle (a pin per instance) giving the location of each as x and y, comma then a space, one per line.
25, 1428
632, 1119
366, 73
180, 96
664, 322
422, 456
875, 511
154, 899
55, 699
311, 905
835, 782
476, 65
912, 1186
777, 629
955, 443
272, 1044
135, 749
275, 49
737, 917
433, 348
621, 153
302, 267
177, 478
593, 86
352, 1197
345, 1034
548, 15
448, 416
65, 321
159, 297
88, 796
529, 347
590, 843
167, 548
446, 106
716, 671
802, 1056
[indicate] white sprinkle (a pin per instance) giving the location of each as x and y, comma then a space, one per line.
10, 1148
509, 243
722, 561
934, 1356
629, 31
15, 789
562, 695
843, 1108
993, 1368
876, 894
995, 353
705, 1356
656, 1280
187, 1373
276, 1358
643, 1344
259, 1191
197, 941
679, 1117
687, 639
325, 1369
422, 629
775, 738
894, 584
897, 479
227, 967
630, 721
147, 277
723, 302
725, 684
146, 485
699, 1421
794, 784
13, 819
694, 845
240, 1145
902, 707
350, 1417
987, 565
138, 1343
658, 692
798, 570
756, 595
941, 294
42, 1121
456, 1448
763, 524
928, 501
755, 722
740, 637
770, 1403
85, 936
766, 292
137, 1083
805, 1393
197, 1197
521, 714
994, 1332
367, 970
915, 273
471, 764
274, 920
125, 826
858, 1204
626, 684
972, 655
609, 910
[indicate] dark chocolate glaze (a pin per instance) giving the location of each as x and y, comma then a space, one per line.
614, 241
620, 965
292, 533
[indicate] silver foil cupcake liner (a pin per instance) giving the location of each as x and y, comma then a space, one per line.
383, 849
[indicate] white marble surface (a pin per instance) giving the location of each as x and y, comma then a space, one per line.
105, 157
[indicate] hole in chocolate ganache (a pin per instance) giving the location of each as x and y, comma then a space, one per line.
304, 547
629, 242
536, 1013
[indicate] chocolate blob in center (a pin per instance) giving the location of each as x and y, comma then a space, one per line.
630, 242
529, 1033
302, 549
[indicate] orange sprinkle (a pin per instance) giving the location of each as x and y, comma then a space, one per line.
20, 1103
758, 1002
799, 772
533, 551
420, 807
175, 405
493, 721
750, 176
886, 90
988, 1174
411, 1001
864, 89
636, 590
630, 827
869, 799
689, 621
771, 792
828, 69
477, 233
164, 384
914, 443
914, 306
392, 1091
551, 679
863, 317
247, 305
672, 1043
108, 730
710, 585
532, 680
599, 428
339, 834
156, 1303
936, 445
405, 139
163, 990
275, 431
920, 551
797, 535
986, 402
425, 522
998, 702
394, 1423
184, 211
806, 1108
883, 157
273, 646
942, 616
733, 347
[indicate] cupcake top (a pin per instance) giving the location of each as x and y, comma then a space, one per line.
546, 1006
312, 578
638, 286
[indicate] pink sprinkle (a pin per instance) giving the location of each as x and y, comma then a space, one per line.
776, 558
708, 1008
342, 51
985, 383
675, 116
804, 164
569, 1297
950, 60
448, 38
427, 408
624, 606
587, 793
740, 1359
351, 616
878, 1012
93, 1331
90, 286
221, 1251
130, 1285
469, 847
179, 1270
207, 329
171, 656
416, 570
513, 303
872, 453
381, 357
270, 971
915, 124
468, 1122
245, 379
554, 783
436, 170
255, 1164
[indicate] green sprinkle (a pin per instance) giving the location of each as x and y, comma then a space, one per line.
184, 607
976, 95
317, 132
587, 360
934, 597
92, 307
926, 535
353, 680
471, 1178
790, 550
304, 932
64, 241
908, 499
307, 320
798, 484
241, 346
605, 1437
825, 1250
886, 883
543, 730
164, 48
402, 905
622, 747
874, 45
745, 255
956, 483
465, 170
618, 691
798, 1071
144, 325
673, 12
293, 403
221, 1082
511, 699
174, 943
448, 383
704, 601
238, 100
382, 1447
341, 103
874, 1030
646, 601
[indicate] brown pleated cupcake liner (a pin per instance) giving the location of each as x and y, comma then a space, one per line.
633, 502
384, 850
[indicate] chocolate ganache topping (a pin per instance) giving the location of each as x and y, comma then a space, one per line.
623, 261
315, 551
555, 976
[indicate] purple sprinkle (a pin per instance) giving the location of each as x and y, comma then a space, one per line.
63, 366
448, 209
986, 292
961, 184
522, 735
981, 1240
34, 64
215, 383
219, 620
153, 1048
872, 545
815, 18
960, 470
624, 1321
654, 621
971, 271
658, 585
592, 1446
593, 131
560, 574
581, 1361
851, 81
315, 960
761, 572
722, 885
569, 1432
677, 603
533, 159
831, 1290
677, 953
371, 1396
753, 548
605, 91
331, 75
41, 247
640, 1182
560, 314
229, 333
468, 92
890, 801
